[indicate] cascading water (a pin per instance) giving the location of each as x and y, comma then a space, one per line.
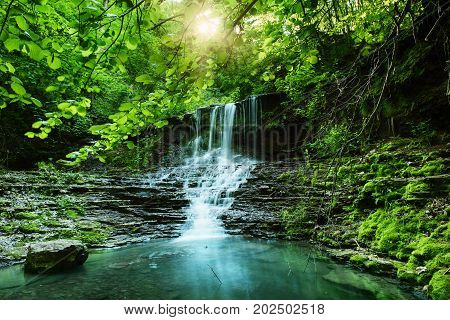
213, 171
214, 174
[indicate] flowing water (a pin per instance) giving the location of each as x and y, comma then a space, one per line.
205, 262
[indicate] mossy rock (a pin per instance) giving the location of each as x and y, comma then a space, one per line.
30, 227
428, 248
430, 168
55, 256
373, 263
439, 287
26, 216
8, 228
407, 275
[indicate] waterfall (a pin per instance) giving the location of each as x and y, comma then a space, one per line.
215, 171
227, 131
198, 138
212, 127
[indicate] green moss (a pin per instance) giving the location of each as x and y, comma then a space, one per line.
369, 227
358, 259
92, 237
406, 274
430, 168
71, 213
296, 221
428, 248
439, 287
8, 228
16, 254
412, 188
391, 214
51, 223
26, 215
328, 239
30, 227
70, 207
285, 176
369, 187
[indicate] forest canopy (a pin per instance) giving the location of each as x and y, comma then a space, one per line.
113, 68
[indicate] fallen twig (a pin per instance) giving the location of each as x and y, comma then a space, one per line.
215, 274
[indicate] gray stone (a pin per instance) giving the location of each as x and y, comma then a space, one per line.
55, 256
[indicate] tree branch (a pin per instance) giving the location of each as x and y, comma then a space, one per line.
165, 20
106, 50
241, 16
6, 15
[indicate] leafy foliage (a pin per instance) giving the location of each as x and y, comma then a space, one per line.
164, 59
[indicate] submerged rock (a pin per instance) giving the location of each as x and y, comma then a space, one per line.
55, 256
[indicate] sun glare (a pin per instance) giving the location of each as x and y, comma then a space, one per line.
207, 25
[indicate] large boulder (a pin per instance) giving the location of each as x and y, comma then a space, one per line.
55, 256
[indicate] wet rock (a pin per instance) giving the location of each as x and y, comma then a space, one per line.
364, 260
55, 256
259, 201
111, 210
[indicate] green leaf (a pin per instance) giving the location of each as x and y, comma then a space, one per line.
101, 159
22, 23
144, 78
64, 105
126, 106
73, 110
17, 88
36, 53
51, 89
53, 62
43, 8
312, 59
81, 110
42, 135
36, 102
147, 113
160, 124
130, 145
36, 125
57, 47
12, 44
123, 57
122, 120
29, 135
86, 53
11, 68
2, 104
91, 63
132, 43
16, 80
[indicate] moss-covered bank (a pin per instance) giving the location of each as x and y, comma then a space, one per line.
391, 202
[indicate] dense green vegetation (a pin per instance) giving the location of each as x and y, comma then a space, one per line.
88, 81
392, 201
98, 74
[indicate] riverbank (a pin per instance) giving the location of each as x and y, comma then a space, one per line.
103, 211
386, 211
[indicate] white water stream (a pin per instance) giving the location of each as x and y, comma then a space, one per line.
212, 175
